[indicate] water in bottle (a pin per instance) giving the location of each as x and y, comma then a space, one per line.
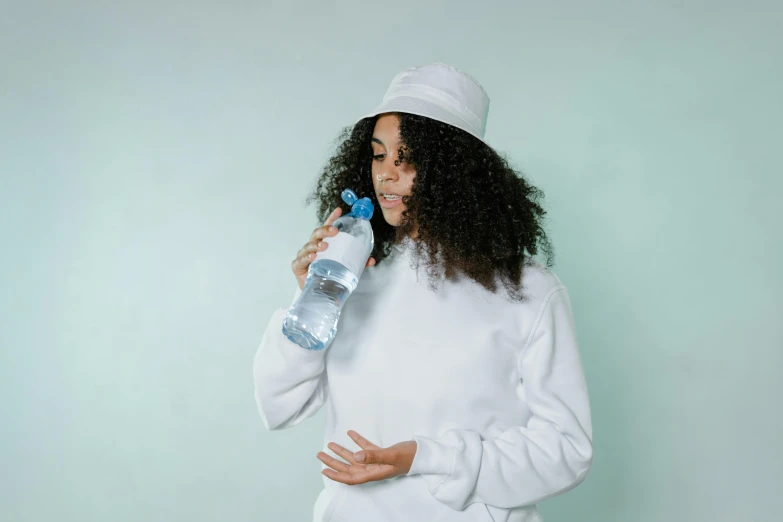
311, 322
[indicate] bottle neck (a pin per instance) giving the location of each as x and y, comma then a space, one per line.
360, 214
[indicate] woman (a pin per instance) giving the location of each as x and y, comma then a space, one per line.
454, 387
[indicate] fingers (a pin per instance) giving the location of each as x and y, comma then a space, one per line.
342, 452
313, 247
365, 456
302, 261
307, 253
361, 441
373, 468
322, 232
384, 456
331, 218
345, 478
359, 476
333, 462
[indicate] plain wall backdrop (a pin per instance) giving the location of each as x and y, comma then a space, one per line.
155, 157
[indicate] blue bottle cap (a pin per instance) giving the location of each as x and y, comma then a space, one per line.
349, 196
361, 208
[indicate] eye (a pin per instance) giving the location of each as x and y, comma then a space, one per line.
379, 157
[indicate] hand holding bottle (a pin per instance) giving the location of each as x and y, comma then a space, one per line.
316, 244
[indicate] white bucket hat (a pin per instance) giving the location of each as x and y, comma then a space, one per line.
440, 92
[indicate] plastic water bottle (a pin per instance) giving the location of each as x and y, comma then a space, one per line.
311, 322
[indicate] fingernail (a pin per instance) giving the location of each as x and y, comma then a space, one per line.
359, 457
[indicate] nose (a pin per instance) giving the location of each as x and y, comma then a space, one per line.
389, 171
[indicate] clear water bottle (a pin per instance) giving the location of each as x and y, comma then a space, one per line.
311, 322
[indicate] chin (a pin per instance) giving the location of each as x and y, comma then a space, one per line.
392, 219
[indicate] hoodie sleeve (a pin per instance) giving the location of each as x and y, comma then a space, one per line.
524, 464
290, 382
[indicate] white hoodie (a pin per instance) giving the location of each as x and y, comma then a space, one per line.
491, 390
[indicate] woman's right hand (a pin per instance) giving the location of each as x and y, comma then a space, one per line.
316, 244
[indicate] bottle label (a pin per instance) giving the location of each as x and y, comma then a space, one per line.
344, 248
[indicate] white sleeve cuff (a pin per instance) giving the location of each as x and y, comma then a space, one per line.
431, 458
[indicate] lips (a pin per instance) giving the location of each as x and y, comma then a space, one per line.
386, 203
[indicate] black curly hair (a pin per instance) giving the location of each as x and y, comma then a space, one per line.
473, 212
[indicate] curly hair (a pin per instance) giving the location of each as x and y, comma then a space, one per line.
474, 213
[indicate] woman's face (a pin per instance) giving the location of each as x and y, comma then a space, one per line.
389, 178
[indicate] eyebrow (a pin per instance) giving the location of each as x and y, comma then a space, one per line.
379, 142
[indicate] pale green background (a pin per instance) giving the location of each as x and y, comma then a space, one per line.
155, 156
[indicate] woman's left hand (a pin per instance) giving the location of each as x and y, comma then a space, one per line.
370, 463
